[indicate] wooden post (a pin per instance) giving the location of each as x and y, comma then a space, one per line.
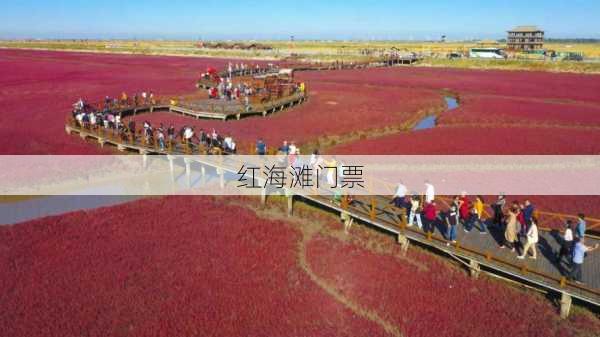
404, 243
290, 205
221, 178
563, 282
373, 213
474, 268
171, 166
403, 218
188, 170
263, 196
144, 159
565, 305
344, 203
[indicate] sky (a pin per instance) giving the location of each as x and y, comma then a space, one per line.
305, 20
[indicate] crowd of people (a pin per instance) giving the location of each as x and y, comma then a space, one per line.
213, 142
516, 222
111, 120
226, 89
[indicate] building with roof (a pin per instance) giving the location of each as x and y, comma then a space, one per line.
525, 38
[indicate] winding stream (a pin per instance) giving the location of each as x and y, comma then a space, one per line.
429, 122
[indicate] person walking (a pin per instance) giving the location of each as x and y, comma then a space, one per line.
478, 206
528, 211
566, 244
414, 213
261, 147
498, 208
429, 192
510, 233
399, 198
430, 214
451, 223
532, 240
579, 252
580, 230
465, 206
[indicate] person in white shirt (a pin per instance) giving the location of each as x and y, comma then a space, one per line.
399, 199
227, 143
400, 191
429, 192
293, 149
414, 212
188, 134
532, 240
79, 118
566, 246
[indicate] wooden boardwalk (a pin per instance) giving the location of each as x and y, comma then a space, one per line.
475, 250
215, 109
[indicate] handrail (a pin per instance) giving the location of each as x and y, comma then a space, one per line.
488, 255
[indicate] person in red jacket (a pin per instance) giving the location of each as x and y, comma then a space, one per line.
465, 206
429, 215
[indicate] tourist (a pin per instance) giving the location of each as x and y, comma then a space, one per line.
399, 198
455, 202
521, 219
285, 148
124, 98
414, 213
131, 126
316, 162
118, 121
232, 147
566, 244
293, 149
151, 97
478, 205
580, 229
579, 252
145, 97
471, 220
451, 223
188, 134
92, 118
464, 208
498, 208
261, 147
214, 138
85, 120
171, 133
429, 215
161, 139
528, 211
531, 241
228, 144
510, 233
79, 105
429, 192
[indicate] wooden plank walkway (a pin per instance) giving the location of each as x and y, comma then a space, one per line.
544, 272
217, 110
485, 249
